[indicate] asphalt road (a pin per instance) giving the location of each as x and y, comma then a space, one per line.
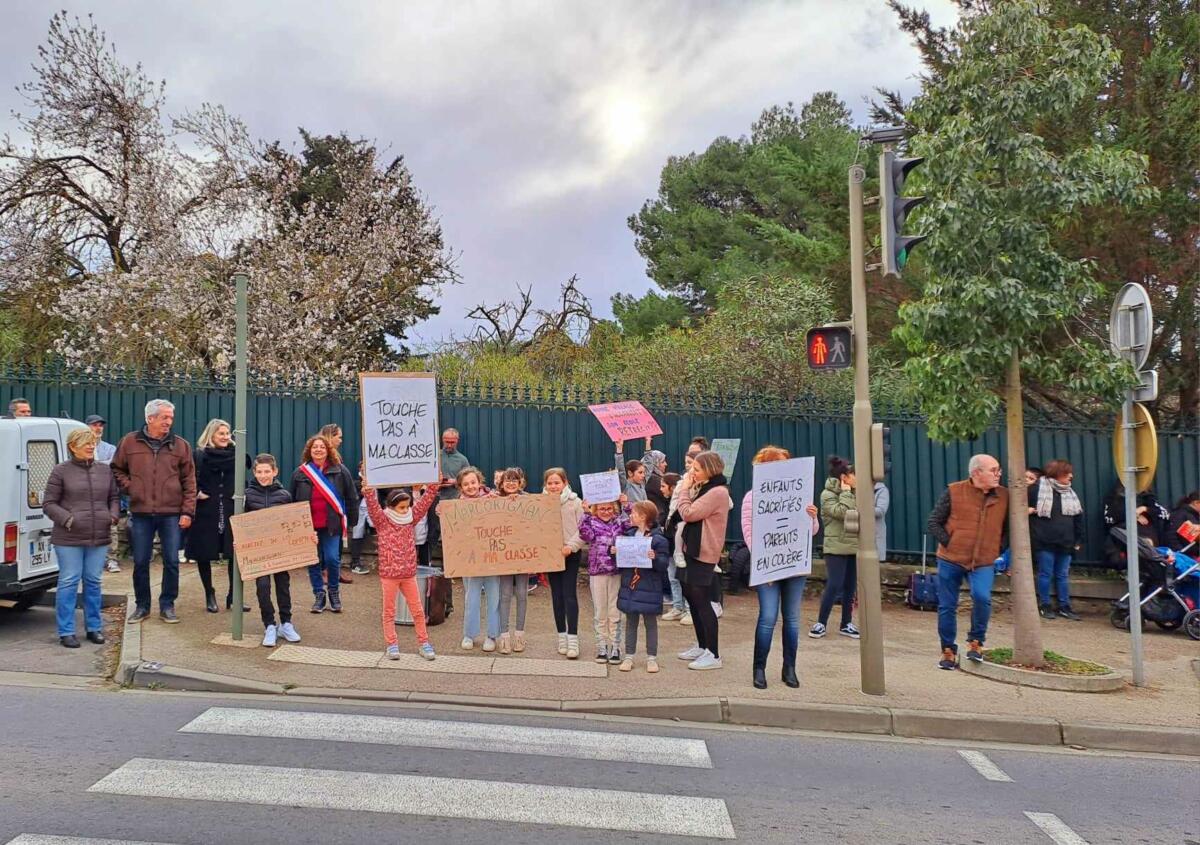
200, 769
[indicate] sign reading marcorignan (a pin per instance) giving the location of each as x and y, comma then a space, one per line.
501, 536
400, 428
274, 540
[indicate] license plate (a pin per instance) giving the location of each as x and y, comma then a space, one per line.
39, 553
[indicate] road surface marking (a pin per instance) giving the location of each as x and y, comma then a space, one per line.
460, 736
980, 763
413, 795
43, 839
1054, 827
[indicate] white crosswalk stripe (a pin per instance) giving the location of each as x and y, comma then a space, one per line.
454, 798
1056, 829
44, 839
459, 736
981, 763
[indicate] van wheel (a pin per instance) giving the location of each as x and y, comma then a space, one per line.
28, 600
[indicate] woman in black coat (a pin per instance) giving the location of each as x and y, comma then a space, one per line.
210, 538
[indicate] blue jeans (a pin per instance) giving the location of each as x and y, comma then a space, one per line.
77, 563
784, 595
950, 578
1056, 565
489, 584
143, 527
329, 557
677, 600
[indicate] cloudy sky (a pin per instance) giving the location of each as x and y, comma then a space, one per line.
534, 128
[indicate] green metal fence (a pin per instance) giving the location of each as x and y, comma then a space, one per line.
536, 428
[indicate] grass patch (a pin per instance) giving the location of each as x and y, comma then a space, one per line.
1055, 663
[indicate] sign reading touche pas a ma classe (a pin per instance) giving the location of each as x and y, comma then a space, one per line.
400, 428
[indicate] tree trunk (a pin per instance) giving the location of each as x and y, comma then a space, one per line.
1027, 626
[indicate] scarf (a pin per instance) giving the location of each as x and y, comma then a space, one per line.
567, 495
653, 460
405, 518
322, 487
1047, 487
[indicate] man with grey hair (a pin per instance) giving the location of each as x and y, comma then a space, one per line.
19, 407
969, 522
155, 468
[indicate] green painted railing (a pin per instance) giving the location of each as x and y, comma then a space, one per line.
535, 428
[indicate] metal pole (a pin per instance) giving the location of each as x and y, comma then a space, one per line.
239, 433
870, 609
1129, 478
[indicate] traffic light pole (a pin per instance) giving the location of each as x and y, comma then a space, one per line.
239, 460
870, 603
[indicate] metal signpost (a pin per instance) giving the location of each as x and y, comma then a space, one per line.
239, 460
1130, 330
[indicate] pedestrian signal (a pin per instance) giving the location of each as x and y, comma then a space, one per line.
829, 348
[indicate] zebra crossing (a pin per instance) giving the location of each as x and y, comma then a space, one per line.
553, 805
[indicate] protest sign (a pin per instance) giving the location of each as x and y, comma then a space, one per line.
781, 541
597, 487
633, 553
625, 420
274, 540
400, 428
727, 448
501, 536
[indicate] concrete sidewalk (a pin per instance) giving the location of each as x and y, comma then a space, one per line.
828, 668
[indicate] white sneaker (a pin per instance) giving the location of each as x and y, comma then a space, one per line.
705, 661
426, 651
817, 631
848, 630
718, 608
562, 644
393, 652
289, 632
692, 653
269, 637
686, 619
672, 615
467, 644
489, 644
111, 565
572, 646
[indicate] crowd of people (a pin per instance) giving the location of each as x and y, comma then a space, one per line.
184, 497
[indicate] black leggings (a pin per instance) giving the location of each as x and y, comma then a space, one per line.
204, 567
563, 595
283, 592
698, 578
841, 579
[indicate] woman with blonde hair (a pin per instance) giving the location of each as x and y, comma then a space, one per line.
784, 595
210, 538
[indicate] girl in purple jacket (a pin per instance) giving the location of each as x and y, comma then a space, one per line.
600, 528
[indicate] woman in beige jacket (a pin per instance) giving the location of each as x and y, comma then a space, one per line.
563, 584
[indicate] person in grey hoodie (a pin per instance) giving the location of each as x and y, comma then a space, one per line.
82, 502
883, 500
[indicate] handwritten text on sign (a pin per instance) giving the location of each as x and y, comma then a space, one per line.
400, 428
625, 420
633, 553
497, 536
274, 540
599, 487
781, 545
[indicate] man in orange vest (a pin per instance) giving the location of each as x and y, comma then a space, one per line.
969, 522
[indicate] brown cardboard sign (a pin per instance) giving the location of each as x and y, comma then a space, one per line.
274, 540
501, 536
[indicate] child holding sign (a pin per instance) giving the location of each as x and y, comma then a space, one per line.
398, 561
265, 491
512, 483
641, 592
600, 529
470, 486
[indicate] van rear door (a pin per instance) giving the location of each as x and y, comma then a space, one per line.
41, 449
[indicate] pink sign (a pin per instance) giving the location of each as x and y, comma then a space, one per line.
625, 420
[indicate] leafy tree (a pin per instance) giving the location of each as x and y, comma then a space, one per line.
644, 315
1147, 102
1001, 302
772, 203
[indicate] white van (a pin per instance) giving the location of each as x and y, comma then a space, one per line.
30, 447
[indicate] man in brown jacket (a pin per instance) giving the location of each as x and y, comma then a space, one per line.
155, 469
969, 523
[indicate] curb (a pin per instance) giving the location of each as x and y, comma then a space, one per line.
827, 718
131, 651
1109, 682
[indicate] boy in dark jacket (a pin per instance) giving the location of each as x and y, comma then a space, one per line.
641, 593
263, 492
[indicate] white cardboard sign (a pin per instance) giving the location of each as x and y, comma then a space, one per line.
633, 553
598, 487
400, 428
781, 541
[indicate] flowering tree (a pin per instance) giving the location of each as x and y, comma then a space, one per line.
128, 225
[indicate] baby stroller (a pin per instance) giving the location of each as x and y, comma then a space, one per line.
1170, 589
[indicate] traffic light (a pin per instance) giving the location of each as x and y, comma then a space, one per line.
829, 348
893, 209
881, 451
